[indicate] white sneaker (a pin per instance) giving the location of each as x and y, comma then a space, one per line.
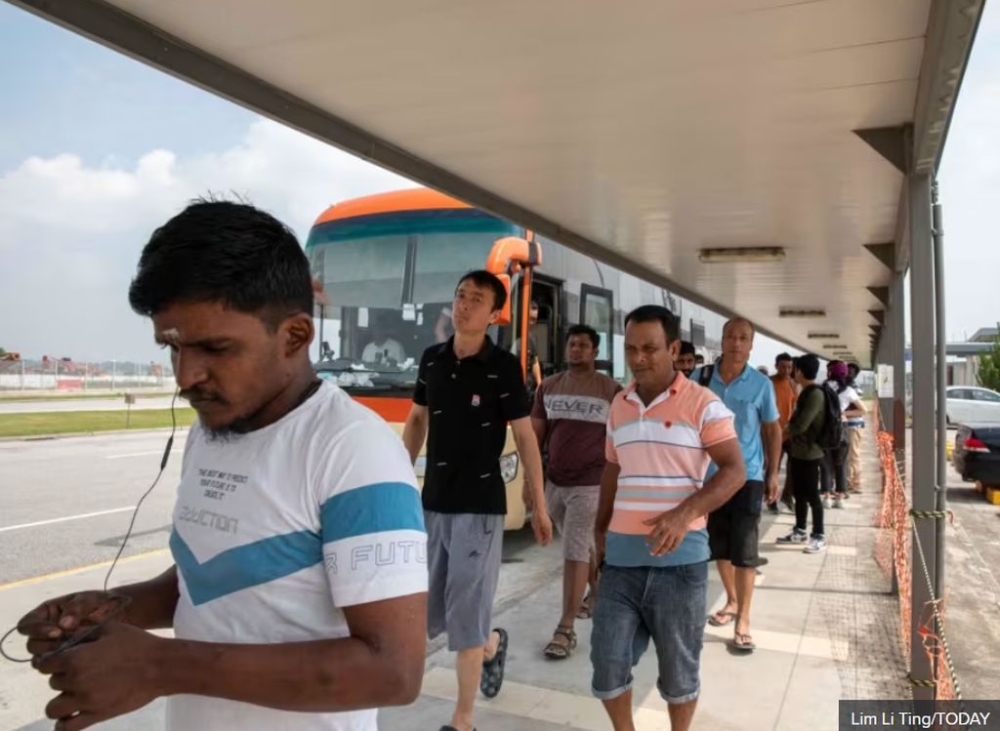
838, 503
815, 545
826, 502
793, 537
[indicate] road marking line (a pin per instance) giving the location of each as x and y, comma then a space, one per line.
67, 518
135, 454
80, 569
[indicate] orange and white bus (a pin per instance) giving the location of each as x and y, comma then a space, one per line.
386, 267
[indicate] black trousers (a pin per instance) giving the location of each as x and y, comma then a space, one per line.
805, 484
833, 470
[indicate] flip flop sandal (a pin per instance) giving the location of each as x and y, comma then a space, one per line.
715, 620
493, 669
743, 642
557, 650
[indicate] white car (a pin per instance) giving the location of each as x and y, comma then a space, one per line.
973, 405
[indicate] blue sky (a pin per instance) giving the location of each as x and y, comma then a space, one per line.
65, 93
96, 149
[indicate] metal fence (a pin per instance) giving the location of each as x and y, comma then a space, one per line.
74, 376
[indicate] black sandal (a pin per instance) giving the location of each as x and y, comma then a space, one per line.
492, 677
558, 651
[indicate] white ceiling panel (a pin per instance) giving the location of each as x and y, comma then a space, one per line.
645, 131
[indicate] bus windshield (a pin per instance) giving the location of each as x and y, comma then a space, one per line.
390, 280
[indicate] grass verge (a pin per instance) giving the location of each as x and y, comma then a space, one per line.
85, 422
100, 395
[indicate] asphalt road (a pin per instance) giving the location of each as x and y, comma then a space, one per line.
101, 404
65, 505
67, 502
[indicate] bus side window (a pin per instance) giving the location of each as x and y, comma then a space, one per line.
597, 310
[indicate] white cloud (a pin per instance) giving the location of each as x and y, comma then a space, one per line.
970, 189
70, 235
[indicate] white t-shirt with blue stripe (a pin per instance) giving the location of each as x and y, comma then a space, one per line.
276, 531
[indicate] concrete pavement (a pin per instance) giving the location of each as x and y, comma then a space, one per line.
822, 625
23, 692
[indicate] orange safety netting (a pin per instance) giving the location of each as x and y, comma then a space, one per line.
893, 552
892, 549
937, 651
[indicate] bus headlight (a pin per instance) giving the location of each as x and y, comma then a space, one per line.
508, 467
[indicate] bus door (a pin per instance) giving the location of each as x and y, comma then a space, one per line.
597, 309
547, 333
513, 260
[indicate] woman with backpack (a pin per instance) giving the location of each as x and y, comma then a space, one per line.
833, 469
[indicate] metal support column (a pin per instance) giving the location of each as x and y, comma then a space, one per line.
897, 357
924, 467
941, 359
892, 402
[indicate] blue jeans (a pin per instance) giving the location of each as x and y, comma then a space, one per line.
633, 605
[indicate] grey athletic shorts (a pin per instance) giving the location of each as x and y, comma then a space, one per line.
574, 511
463, 563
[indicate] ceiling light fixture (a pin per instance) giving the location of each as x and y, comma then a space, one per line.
823, 336
742, 254
802, 312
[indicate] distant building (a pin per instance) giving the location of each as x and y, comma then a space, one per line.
984, 335
963, 358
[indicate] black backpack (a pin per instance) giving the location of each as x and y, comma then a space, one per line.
832, 435
705, 375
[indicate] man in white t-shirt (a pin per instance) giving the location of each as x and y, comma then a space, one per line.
382, 350
833, 469
298, 595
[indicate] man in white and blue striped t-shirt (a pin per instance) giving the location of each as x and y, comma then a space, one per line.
298, 597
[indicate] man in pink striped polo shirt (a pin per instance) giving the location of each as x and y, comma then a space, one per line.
663, 431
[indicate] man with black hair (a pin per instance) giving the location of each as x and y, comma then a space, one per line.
298, 594
382, 349
686, 358
467, 391
570, 414
853, 371
662, 432
805, 454
786, 392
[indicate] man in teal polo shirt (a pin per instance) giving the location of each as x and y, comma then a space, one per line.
733, 528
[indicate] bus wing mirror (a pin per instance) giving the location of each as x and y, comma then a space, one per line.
505, 316
508, 255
